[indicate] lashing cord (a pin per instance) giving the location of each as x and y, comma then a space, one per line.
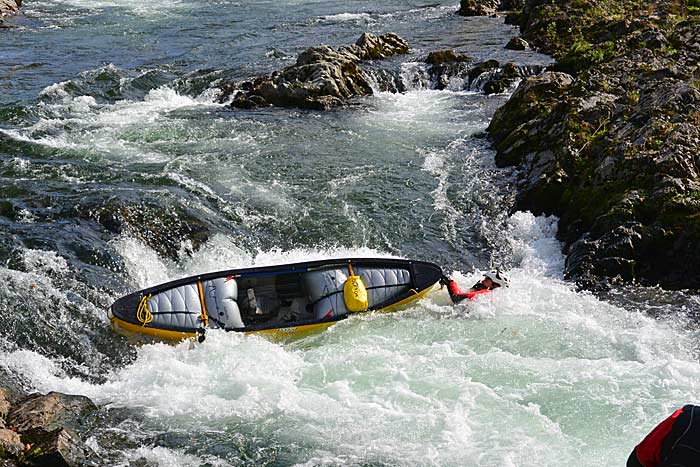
143, 314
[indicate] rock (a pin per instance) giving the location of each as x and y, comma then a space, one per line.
440, 57
518, 116
478, 7
512, 4
481, 68
4, 405
517, 43
163, 228
446, 65
496, 86
10, 444
61, 447
46, 424
322, 77
378, 47
9, 7
49, 412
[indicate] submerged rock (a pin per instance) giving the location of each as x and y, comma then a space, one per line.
165, 229
322, 77
609, 140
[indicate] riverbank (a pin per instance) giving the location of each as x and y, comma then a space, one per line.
608, 139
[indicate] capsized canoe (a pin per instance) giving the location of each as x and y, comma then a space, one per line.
283, 301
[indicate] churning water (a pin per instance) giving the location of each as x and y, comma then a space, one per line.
109, 104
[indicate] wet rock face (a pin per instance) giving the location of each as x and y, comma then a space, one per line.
41, 430
164, 229
48, 412
448, 69
322, 77
610, 141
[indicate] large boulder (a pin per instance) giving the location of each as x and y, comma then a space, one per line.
50, 411
46, 425
322, 77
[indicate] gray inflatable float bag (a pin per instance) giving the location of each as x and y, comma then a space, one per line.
384, 284
178, 307
324, 289
220, 297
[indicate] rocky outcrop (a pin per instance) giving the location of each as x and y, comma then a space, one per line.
8, 7
42, 430
322, 77
609, 139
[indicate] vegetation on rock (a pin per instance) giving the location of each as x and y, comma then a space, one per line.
609, 139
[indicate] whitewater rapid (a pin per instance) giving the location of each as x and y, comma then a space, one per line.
536, 374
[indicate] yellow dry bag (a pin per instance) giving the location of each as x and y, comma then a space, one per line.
355, 292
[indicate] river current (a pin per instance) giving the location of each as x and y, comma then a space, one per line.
110, 102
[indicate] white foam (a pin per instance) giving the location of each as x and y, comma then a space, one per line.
342, 17
146, 268
80, 122
140, 9
164, 457
44, 261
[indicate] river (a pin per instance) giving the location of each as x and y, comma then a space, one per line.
113, 101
